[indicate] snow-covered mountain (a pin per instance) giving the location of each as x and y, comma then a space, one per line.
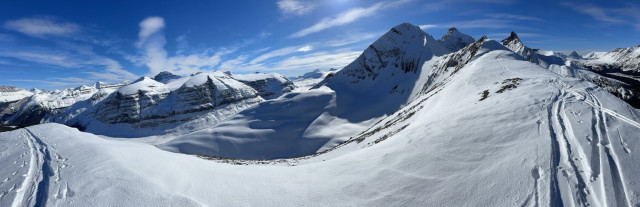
147, 107
625, 60
12, 93
44, 106
482, 126
571, 66
11, 98
454, 40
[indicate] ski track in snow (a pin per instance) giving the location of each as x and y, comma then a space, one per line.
567, 155
34, 190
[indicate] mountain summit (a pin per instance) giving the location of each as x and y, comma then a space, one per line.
454, 40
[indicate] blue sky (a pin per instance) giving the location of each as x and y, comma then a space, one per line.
47, 44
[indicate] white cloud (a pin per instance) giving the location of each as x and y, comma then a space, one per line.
347, 17
278, 53
306, 48
428, 26
109, 68
319, 60
40, 27
296, 7
514, 16
352, 38
149, 26
151, 43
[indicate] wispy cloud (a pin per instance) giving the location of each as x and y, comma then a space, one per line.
305, 48
441, 5
108, 68
521, 35
428, 26
492, 21
318, 60
151, 43
629, 15
149, 26
41, 27
295, 7
514, 16
347, 17
352, 38
280, 52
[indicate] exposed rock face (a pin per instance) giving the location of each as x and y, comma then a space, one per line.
454, 40
165, 77
269, 86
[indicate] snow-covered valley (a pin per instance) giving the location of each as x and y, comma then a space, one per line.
413, 121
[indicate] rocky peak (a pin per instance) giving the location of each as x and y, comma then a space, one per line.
454, 40
165, 77
574, 55
513, 38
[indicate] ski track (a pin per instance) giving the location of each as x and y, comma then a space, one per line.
34, 190
567, 154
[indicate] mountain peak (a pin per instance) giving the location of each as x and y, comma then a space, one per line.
454, 40
406, 28
513, 37
165, 77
